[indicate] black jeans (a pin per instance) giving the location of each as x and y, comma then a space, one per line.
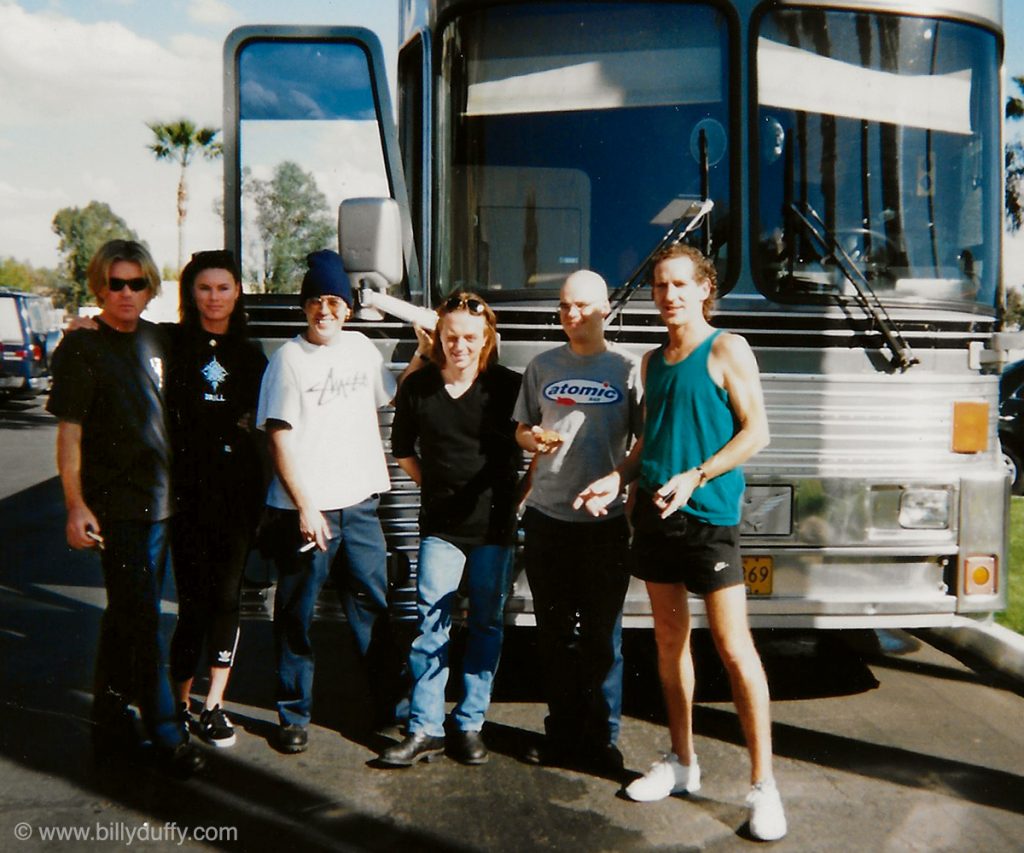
578, 574
131, 660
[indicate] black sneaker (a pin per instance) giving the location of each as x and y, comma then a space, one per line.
114, 735
605, 760
291, 739
550, 752
186, 720
181, 762
216, 728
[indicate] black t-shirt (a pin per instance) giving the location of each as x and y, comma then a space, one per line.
468, 453
113, 384
213, 382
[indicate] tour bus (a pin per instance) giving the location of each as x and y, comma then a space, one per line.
840, 161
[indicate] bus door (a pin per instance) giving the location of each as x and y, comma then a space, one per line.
309, 124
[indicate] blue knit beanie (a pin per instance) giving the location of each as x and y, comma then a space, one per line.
326, 277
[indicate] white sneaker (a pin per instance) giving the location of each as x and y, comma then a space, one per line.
665, 777
767, 819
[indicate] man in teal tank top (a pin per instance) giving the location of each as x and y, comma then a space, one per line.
705, 417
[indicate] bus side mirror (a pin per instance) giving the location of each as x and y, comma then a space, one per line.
370, 239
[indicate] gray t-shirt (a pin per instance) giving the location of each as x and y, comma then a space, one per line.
595, 403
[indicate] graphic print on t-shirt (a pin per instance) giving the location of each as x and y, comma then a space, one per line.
157, 365
582, 392
330, 389
214, 373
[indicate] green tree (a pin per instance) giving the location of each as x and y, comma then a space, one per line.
1014, 315
1014, 158
21, 275
179, 141
292, 219
82, 231
15, 274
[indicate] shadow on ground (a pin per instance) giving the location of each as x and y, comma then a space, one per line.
49, 616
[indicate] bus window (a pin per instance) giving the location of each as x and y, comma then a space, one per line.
886, 129
567, 130
413, 126
308, 137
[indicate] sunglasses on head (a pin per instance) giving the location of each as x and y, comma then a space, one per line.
470, 303
136, 285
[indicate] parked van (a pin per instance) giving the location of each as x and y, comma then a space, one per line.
29, 333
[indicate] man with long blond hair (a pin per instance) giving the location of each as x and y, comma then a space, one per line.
453, 433
113, 455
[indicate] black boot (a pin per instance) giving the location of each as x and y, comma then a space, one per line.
418, 746
468, 748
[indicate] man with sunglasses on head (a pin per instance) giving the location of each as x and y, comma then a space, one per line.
453, 433
113, 455
578, 411
318, 405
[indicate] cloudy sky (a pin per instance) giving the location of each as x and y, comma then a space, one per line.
80, 78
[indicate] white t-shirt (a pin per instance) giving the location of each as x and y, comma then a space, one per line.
329, 395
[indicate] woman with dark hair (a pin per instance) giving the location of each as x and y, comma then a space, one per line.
217, 473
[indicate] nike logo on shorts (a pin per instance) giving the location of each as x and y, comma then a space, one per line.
721, 566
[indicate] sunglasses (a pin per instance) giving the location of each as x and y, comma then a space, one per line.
136, 285
332, 303
470, 303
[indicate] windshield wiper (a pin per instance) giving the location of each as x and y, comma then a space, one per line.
696, 212
866, 297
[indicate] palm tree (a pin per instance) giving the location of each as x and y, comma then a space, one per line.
1014, 159
179, 141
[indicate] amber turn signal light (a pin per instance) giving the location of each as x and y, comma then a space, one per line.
970, 426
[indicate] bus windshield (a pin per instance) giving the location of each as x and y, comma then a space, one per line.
572, 135
883, 130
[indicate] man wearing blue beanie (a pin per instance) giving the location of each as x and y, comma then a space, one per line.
326, 276
318, 405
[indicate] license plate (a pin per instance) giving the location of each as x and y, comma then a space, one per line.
757, 575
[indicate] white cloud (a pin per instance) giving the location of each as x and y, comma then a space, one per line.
82, 93
1013, 260
11, 197
211, 12
55, 69
77, 92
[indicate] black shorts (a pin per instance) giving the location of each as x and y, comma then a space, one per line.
684, 549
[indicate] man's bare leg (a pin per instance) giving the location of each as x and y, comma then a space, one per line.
671, 612
730, 630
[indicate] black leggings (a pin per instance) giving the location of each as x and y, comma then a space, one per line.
209, 555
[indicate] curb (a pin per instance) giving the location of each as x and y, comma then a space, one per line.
983, 645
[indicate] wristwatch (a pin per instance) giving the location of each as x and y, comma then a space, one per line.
703, 476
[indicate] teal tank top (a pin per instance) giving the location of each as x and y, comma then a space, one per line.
678, 397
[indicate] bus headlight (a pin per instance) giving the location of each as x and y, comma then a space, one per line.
924, 509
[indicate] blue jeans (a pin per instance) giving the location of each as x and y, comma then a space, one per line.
578, 574
131, 659
357, 556
488, 570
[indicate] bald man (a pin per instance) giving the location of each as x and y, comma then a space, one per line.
578, 412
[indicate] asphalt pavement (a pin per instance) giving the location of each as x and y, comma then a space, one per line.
882, 742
